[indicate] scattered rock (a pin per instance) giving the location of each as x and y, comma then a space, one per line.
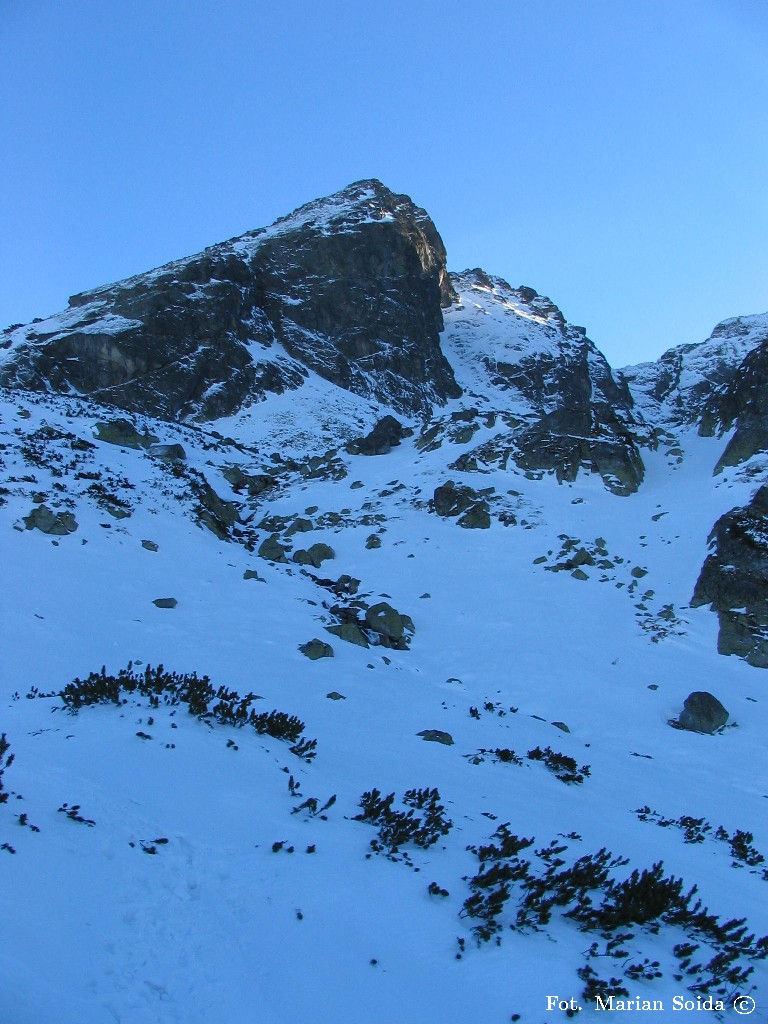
165, 602
638, 572
272, 550
251, 574
579, 574
254, 483
436, 736
299, 525
122, 432
149, 545
314, 556
168, 452
350, 633
316, 649
335, 695
374, 541
561, 726
702, 713
58, 524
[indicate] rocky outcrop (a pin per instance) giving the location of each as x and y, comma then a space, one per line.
386, 435
351, 287
560, 406
56, 524
122, 432
743, 404
734, 581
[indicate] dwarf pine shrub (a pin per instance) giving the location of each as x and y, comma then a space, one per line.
528, 892
203, 700
397, 828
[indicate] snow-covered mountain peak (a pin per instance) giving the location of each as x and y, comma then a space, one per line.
359, 655
674, 388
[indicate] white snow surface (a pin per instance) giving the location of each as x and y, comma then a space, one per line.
216, 928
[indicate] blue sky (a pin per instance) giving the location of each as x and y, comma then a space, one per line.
612, 155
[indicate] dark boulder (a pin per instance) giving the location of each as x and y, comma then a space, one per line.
451, 499
386, 435
436, 736
702, 713
316, 649
122, 432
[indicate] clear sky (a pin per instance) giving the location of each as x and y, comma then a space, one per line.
612, 154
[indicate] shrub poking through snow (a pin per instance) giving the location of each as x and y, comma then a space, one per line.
6, 760
561, 765
527, 893
397, 828
73, 813
696, 830
227, 707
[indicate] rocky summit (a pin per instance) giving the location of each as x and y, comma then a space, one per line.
351, 287
373, 649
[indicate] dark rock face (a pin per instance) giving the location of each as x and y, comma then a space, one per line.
743, 403
702, 713
592, 426
734, 581
351, 287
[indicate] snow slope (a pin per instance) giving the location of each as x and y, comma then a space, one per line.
219, 926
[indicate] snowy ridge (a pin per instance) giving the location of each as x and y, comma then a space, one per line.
497, 336
673, 389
